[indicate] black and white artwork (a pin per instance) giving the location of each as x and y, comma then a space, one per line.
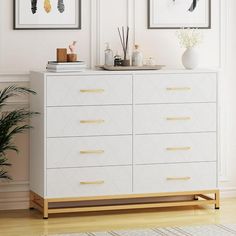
47, 14
174, 14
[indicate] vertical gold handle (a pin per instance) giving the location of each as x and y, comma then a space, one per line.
178, 178
178, 149
92, 152
98, 182
92, 121
184, 118
92, 90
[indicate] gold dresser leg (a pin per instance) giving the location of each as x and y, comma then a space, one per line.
198, 198
45, 209
217, 198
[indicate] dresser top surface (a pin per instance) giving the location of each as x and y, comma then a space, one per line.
104, 72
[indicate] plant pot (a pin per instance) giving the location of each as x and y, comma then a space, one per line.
190, 59
126, 63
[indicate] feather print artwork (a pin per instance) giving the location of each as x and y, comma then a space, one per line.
61, 6
47, 6
193, 5
34, 6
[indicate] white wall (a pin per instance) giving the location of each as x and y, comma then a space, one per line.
164, 46
21, 51
228, 96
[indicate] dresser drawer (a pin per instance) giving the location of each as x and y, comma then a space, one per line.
84, 121
175, 177
174, 118
175, 88
89, 151
94, 181
174, 148
89, 90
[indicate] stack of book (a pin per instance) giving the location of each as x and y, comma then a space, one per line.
77, 66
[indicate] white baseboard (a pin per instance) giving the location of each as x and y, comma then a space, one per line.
15, 205
14, 186
14, 195
14, 77
228, 192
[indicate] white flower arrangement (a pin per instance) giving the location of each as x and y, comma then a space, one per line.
189, 38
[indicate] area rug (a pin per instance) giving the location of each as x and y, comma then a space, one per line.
206, 230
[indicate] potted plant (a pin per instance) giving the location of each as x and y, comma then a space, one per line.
189, 39
11, 123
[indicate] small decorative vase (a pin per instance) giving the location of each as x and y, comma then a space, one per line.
190, 59
71, 57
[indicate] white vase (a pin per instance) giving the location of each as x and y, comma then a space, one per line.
190, 59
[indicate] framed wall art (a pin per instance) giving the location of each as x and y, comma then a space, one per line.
47, 14
175, 14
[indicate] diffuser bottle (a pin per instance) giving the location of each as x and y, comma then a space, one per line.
137, 57
109, 59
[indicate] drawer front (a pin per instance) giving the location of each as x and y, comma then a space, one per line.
174, 148
174, 118
89, 151
84, 121
175, 177
89, 90
94, 181
170, 88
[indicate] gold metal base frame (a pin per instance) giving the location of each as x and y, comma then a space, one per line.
205, 197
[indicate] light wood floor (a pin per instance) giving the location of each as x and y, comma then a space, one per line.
30, 223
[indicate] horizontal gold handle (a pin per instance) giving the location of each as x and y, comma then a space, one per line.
178, 88
92, 182
178, 178
178, 148
92, 152
178, 118
92, 90
92, 121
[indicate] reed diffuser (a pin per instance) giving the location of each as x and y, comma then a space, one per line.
124, 39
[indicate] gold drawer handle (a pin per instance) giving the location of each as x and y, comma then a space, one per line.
173, 149
92, 90
92, 152
92, 182
178, 89
178, 178
92, 121
178, 118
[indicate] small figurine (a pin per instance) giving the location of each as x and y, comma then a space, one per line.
72, 56
73, 47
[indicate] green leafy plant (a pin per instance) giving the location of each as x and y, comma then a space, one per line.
11, 123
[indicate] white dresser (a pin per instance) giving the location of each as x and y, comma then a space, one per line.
123, 136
